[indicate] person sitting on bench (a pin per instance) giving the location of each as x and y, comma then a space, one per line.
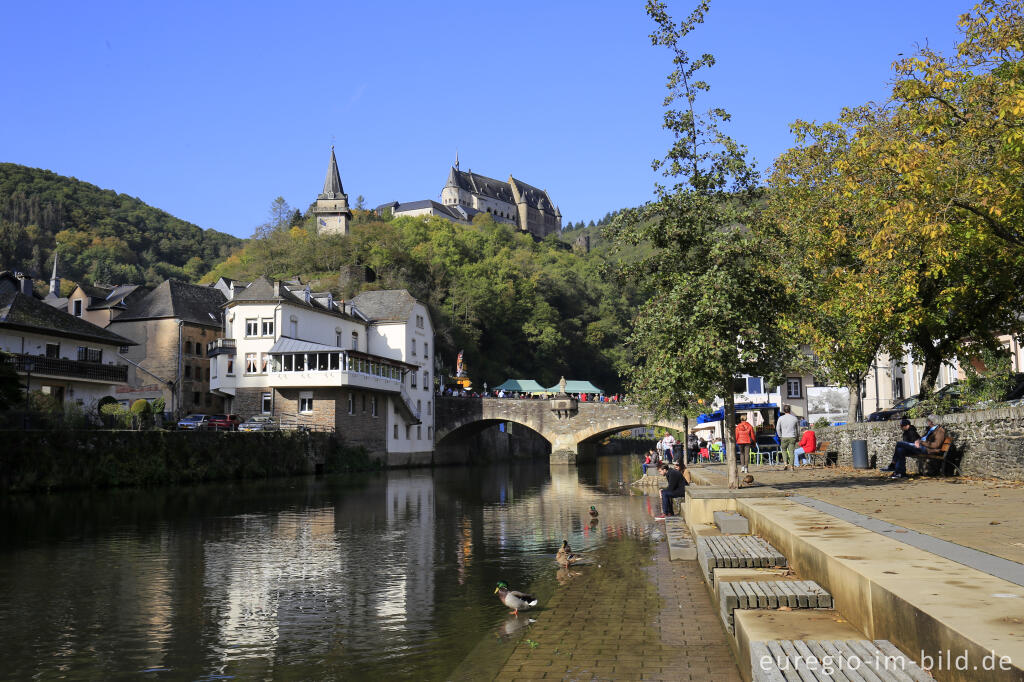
808, 444
930, 444
677, 482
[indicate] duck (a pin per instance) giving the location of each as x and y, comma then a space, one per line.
565, 557
513, 599
593, 512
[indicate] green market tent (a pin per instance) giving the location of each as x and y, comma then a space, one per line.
521, 386
576, 387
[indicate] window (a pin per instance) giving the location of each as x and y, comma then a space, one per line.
396, 431
207, 373
78, 307
264, 359
122, 349
90, 354
231, 367
419, 432
53, 350
267, 324
355, 341
250, 363
426, 381
794, 387
251, 327
306, 402
351, 403
414, 347
429, 408
754, 385
295, 328
188, 371
430, 432
337, 338
897, 388
408, 431
373, 406
418, 407
412, 379
188, 348
426, 350
288, 362
267, 403
419, 321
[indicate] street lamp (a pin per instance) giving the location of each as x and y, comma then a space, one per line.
29, 365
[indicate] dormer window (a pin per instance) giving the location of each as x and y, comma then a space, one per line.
78, 307
355, 340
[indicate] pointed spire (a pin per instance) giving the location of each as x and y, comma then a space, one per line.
453, 181
332, 184
54, 279
456, 159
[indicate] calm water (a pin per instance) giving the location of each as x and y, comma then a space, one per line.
383, 576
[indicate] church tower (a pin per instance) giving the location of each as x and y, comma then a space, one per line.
331, 210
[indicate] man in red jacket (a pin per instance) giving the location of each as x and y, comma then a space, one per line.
745, 437
808, 444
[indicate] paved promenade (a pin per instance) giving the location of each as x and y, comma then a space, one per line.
625, 621
985, 515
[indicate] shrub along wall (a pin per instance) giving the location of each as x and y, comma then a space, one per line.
63, 459
987, 443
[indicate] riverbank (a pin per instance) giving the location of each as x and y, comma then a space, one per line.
42, 461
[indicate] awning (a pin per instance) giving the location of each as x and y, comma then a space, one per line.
576, 386
719, 414
521, 386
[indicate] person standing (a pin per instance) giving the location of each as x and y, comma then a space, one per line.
786, 427
745, 438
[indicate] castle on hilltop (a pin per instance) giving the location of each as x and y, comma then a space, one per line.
467, 193
331, 209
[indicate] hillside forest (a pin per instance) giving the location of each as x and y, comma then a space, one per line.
101, 236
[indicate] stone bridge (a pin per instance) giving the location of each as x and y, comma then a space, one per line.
568, 425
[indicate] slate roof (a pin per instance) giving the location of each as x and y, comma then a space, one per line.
535, 196
392, 305
481, 184
262, 289
114, 297
332, 183
19, 311
178, 300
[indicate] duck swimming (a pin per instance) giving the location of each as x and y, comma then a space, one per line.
513, 599
593, 512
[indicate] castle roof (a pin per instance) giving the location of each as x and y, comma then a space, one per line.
481, 184
332, 184
535, 197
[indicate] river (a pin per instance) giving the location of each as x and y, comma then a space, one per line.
376, 576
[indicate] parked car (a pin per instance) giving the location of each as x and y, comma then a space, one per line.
259, 423
224, 422
897, 410
194, 422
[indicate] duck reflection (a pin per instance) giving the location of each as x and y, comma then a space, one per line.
513, 625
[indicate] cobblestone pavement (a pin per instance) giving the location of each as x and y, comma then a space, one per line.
983, 514
627, 619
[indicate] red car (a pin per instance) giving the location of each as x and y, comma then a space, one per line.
224, 422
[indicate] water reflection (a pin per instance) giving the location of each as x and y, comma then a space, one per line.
389, 575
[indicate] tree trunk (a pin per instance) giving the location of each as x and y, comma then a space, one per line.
932, 363
855, 408
686, 439
730, 436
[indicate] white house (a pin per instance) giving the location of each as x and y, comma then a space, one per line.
311, 361
56, 353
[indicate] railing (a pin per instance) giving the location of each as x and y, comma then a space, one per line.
220, 347
75, 369
410, 402
288, 421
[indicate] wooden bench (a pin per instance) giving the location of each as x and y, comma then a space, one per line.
769, 594
943, 455
804, 660
820, 454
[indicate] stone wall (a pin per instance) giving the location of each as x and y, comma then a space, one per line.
987, 443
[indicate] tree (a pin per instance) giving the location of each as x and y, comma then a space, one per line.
716, 305
905, 216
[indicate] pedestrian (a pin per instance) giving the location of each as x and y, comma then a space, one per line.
786, 427
676, 488
745, 437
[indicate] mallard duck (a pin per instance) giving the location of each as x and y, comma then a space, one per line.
593, 512
513, 599
565, 557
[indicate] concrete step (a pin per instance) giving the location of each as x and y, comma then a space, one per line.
731, 523
803, 660
770, 594
680, 544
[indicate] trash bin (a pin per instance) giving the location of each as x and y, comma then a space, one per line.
860, 454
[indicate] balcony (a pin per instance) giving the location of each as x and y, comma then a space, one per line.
220, 347
67, 369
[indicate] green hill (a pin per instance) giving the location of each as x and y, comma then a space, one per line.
102, 236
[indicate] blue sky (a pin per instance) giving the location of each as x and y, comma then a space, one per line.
210, 110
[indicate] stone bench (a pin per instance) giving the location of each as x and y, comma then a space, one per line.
735, 551
804, 660
770, 594
731, 523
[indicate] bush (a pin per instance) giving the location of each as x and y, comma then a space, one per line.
822, 423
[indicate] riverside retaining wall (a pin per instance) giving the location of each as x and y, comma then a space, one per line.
64, 459
987, 443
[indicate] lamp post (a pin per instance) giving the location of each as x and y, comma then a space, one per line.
29, 365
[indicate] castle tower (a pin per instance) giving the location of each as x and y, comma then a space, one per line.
331, 210
450, 193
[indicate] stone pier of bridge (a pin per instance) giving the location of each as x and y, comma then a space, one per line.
572, 427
